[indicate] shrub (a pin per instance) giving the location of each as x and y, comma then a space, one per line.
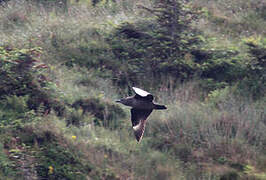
253, 82
7, 167
105, 113
14, 112
23, 74
65, 164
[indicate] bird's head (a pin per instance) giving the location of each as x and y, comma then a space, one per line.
122, 101
118, 101
125, 101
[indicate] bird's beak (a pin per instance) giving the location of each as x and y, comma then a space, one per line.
118, 101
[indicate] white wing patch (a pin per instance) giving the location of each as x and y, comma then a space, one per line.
140, 92
137, 126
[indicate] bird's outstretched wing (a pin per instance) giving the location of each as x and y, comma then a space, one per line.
141, 94
138, 119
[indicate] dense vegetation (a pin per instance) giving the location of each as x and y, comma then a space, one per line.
63, 63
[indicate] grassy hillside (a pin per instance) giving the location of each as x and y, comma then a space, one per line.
64, 63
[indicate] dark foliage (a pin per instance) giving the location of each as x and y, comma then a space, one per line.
105, 113
254, 81
66, 165
154, 50
23, 74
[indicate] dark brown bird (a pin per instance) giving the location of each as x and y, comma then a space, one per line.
142, 106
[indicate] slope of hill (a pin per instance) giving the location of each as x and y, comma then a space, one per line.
63, 64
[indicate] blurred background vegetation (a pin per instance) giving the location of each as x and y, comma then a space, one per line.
64, 62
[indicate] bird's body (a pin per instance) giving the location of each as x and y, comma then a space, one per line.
142, 106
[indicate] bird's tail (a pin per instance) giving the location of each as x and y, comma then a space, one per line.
157, 106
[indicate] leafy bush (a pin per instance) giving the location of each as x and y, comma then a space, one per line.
65, 164
7, 167
105, 113
16, 70
255, 78
14, 112
23, 74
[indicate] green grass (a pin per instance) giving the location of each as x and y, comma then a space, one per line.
233, 19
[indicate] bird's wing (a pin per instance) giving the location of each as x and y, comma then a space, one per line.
140, 91
138, 119
141, 94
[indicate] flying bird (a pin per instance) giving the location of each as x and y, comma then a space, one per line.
142, 106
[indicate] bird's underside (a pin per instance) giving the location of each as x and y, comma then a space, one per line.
138, 119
